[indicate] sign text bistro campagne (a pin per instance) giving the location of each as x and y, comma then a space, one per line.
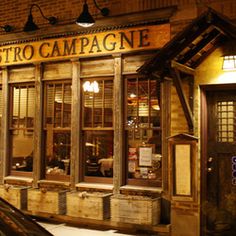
117, 41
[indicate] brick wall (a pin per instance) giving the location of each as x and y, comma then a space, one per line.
15, 12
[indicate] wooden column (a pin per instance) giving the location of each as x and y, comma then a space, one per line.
4, 129
76, 164
165, 125
38, 125
118, 121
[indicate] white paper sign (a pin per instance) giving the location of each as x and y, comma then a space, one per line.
145, 156
183, 169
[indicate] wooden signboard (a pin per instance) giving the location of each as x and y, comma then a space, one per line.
95, 44
182, 167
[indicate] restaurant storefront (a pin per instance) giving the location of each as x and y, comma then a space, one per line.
80, 128
107, 126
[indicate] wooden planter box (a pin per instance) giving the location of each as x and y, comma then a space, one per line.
88, 205
15, 195
135, 209
53, 202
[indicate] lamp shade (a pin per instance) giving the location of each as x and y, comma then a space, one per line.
85, 19
30, 25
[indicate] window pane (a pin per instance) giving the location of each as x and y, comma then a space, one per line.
1, 107
49, 103
98, 104
30, 107
22, 124
22, 150
58, 153
137, 169
143, 103
98, 151
58, 104
143, 132
23, 106
108, 103
67, 106
57, 122
226, 121
154, 104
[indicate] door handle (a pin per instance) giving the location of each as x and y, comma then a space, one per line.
210, 161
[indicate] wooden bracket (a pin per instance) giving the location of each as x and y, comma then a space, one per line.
179, 88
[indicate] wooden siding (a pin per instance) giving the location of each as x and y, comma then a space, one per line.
57, 70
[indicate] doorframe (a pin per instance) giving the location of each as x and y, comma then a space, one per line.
203, 141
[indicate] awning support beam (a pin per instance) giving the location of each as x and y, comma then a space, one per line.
179, 88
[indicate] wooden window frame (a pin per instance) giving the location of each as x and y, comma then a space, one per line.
53, 177
11, 128
94, 179
133, 181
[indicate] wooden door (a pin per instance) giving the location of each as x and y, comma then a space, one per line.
219, 203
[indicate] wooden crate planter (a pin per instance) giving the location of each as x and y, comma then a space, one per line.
88, 205
53, 202
135, 209
15, 195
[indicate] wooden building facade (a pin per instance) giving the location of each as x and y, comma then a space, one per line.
122, 124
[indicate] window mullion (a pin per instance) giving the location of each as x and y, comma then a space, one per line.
62, 104
93, 102
53, 105
18, 115
103, 102
149, 102
137, 92
27, 105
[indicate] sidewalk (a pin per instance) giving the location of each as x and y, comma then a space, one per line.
65, 230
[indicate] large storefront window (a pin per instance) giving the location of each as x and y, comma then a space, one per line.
98, 130
1, 111
143, 131
57, 126
22, 105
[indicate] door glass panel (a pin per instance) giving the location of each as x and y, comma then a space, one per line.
226, 121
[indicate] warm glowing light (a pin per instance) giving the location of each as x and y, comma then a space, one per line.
132, 95
156, 107
227, 77
229, 63
91, 87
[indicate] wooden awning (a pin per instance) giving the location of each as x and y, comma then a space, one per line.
191, 46
187, 50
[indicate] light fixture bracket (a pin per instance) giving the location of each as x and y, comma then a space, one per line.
104, 11
31, 26
7, 28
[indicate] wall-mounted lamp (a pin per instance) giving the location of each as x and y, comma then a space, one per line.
229, 62
6, 28
31, 26
85, 19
